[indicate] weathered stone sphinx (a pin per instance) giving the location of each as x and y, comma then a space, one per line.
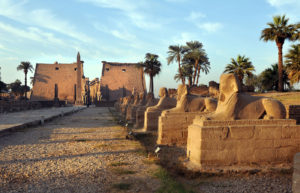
152, 113
131, 110
118, 104
140, 112
243, 131
173, 123
234, 104
133, 102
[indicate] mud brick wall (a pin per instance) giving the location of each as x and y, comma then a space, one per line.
173, 127
242, 142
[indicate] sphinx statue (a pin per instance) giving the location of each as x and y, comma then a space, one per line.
152, 113
131, 110
187, 102
140, 111
233, 104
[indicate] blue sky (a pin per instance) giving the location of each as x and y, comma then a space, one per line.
125, 30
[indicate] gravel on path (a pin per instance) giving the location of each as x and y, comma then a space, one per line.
84, 152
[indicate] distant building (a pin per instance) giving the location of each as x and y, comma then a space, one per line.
95, 94
119, 79
61, 81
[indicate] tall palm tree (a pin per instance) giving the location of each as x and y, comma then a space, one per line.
279, 31
151, 67
241, 66
25, 66
195, 52
176, 53
293, 63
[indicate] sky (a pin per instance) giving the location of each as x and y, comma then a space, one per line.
125, 30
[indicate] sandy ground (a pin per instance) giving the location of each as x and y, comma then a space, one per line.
84, 152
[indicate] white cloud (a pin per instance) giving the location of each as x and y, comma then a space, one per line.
133, 10
195, 16
183, 37
279, 3
40, 17
210, 26
289, 7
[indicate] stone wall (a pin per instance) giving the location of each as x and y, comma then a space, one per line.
15, 106
119, 79
173, 127
242, 142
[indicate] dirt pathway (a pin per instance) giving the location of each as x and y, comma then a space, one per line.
84, 152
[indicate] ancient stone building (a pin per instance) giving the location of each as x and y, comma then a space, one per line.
61, 81
119, 79
95, 90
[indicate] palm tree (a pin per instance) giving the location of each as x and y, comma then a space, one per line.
269, 78
279, 31
293, 63
151, 67
176, 53
195, 52
25, 66
241, 66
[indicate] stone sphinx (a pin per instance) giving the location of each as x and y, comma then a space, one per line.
244, 130
140, 112
131, 110
134, 100
173, 123
118, 104
187, 102
234, 104
152, 113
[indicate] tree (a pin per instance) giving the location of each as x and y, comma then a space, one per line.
269, 78
279, 31
17, 89
176, 53
196, 53
293, 63
151, 67
241, 66
25, 66
3, 87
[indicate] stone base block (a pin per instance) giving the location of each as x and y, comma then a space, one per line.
140, 117
173, 127
151, 120
242, 142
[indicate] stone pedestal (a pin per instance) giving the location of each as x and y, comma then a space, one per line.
242, 142
140, 116
296, 174
151, 120
173, 127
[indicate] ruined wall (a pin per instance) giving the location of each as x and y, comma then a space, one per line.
65, 76
118, 80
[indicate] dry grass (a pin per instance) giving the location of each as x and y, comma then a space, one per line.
287, 98
123, 171
115, 164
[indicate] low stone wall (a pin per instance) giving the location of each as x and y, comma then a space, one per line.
173, 127
242, 142
15, 106
293, 112
296, 174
